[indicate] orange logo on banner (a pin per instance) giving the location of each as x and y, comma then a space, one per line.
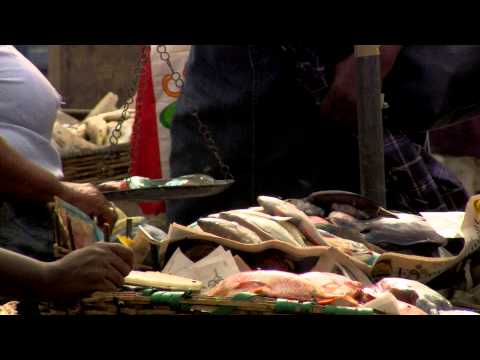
166, 86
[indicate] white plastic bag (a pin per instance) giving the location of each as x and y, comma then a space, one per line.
166, 94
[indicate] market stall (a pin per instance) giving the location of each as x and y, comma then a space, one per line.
330, 253
347, 256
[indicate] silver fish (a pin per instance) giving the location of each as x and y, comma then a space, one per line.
261, 214
405, 230
293, 230
229, 230
264, 227
257, 209
282, 220
307, 207
279, 207
350, 210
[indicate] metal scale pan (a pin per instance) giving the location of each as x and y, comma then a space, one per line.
169, 192
161, 191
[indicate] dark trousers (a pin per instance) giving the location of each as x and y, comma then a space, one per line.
261, 105
266, 125
27, 228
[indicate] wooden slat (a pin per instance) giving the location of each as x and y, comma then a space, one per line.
94, 165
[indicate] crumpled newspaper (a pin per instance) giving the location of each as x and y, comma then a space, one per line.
211, 270
448, 224
424, 269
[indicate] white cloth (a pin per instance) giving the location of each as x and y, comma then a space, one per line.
28, 109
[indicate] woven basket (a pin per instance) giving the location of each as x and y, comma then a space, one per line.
184, 303
98, 165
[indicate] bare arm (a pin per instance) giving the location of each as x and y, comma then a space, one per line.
100, 267
21, 276
22, 179
340, 103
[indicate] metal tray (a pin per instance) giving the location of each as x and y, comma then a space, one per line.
170, 193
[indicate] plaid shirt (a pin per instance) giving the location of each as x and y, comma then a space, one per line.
415, 181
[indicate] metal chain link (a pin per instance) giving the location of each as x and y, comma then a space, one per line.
117, 131
202, 127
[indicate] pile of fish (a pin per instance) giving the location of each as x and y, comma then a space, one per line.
343, 220
391, 296
274, 220
379, 270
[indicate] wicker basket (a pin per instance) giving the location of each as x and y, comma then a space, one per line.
98, 165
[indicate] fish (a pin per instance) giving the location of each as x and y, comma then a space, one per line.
265, 228
354, 249
279, 207
307, 207
283, 221
323, 288
407, 230
345, 220
350, 210
262, 215
317, 220
341, 231
409, 309
411, 292
257, 209
386, 232
293, 230
229, 230
346, 226
390, 305
269, 283
333, 285
325, 199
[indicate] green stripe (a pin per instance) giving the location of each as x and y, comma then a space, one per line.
343, 310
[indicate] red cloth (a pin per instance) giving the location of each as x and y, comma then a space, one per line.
145, 152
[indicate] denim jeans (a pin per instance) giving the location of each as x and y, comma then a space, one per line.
266, 125
261, 105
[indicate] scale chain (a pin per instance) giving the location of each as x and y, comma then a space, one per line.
117, 131
179, 83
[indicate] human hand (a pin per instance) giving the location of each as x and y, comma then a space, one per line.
98, 267
340, 103
90, 200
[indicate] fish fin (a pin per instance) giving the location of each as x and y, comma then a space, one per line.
323, 301
346, 300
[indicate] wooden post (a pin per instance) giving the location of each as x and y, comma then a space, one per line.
83, 74
370, 123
